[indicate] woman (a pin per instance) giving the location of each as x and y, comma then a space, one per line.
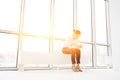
73, 47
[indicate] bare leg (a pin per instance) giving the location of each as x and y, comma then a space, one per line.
78, 56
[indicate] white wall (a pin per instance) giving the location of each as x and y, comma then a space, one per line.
115, 32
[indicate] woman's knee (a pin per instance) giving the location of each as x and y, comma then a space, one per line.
78, 51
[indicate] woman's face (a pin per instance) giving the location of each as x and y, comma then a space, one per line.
76, 36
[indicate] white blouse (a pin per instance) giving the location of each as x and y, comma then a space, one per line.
71, 43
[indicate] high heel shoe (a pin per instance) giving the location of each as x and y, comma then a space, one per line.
74, 69
78, 69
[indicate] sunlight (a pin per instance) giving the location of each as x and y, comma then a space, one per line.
35, 44
37, 19
10, 21
63, 18
45, 28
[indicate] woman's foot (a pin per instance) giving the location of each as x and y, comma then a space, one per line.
78, 69
74, 69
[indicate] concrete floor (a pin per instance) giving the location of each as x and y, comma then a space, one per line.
88, 74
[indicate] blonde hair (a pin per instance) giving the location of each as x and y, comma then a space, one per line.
76, 32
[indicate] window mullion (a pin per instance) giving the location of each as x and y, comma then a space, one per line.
20, 32
108, 31
74, 14
94, 55
51, 34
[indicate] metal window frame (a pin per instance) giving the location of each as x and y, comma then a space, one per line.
52, 38
14, 33
93, 29
74, 14
94, 58
21, 24
107, 9
108, 36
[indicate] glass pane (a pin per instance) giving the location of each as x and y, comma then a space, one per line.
57, 49
37, 17
86, 52
32, 44
100, 21
86, 55
58, 44
84, 19
102, 57
10, 14
8, 50
63, 21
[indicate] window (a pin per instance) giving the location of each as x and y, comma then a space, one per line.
84, 19
8, 50
101, 33
102, 56
100, 21
32, 44
10, 14
63, 18
45, 25
37, 17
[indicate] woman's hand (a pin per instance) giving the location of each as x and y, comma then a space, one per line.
78, 46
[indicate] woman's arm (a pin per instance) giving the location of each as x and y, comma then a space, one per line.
79, 46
